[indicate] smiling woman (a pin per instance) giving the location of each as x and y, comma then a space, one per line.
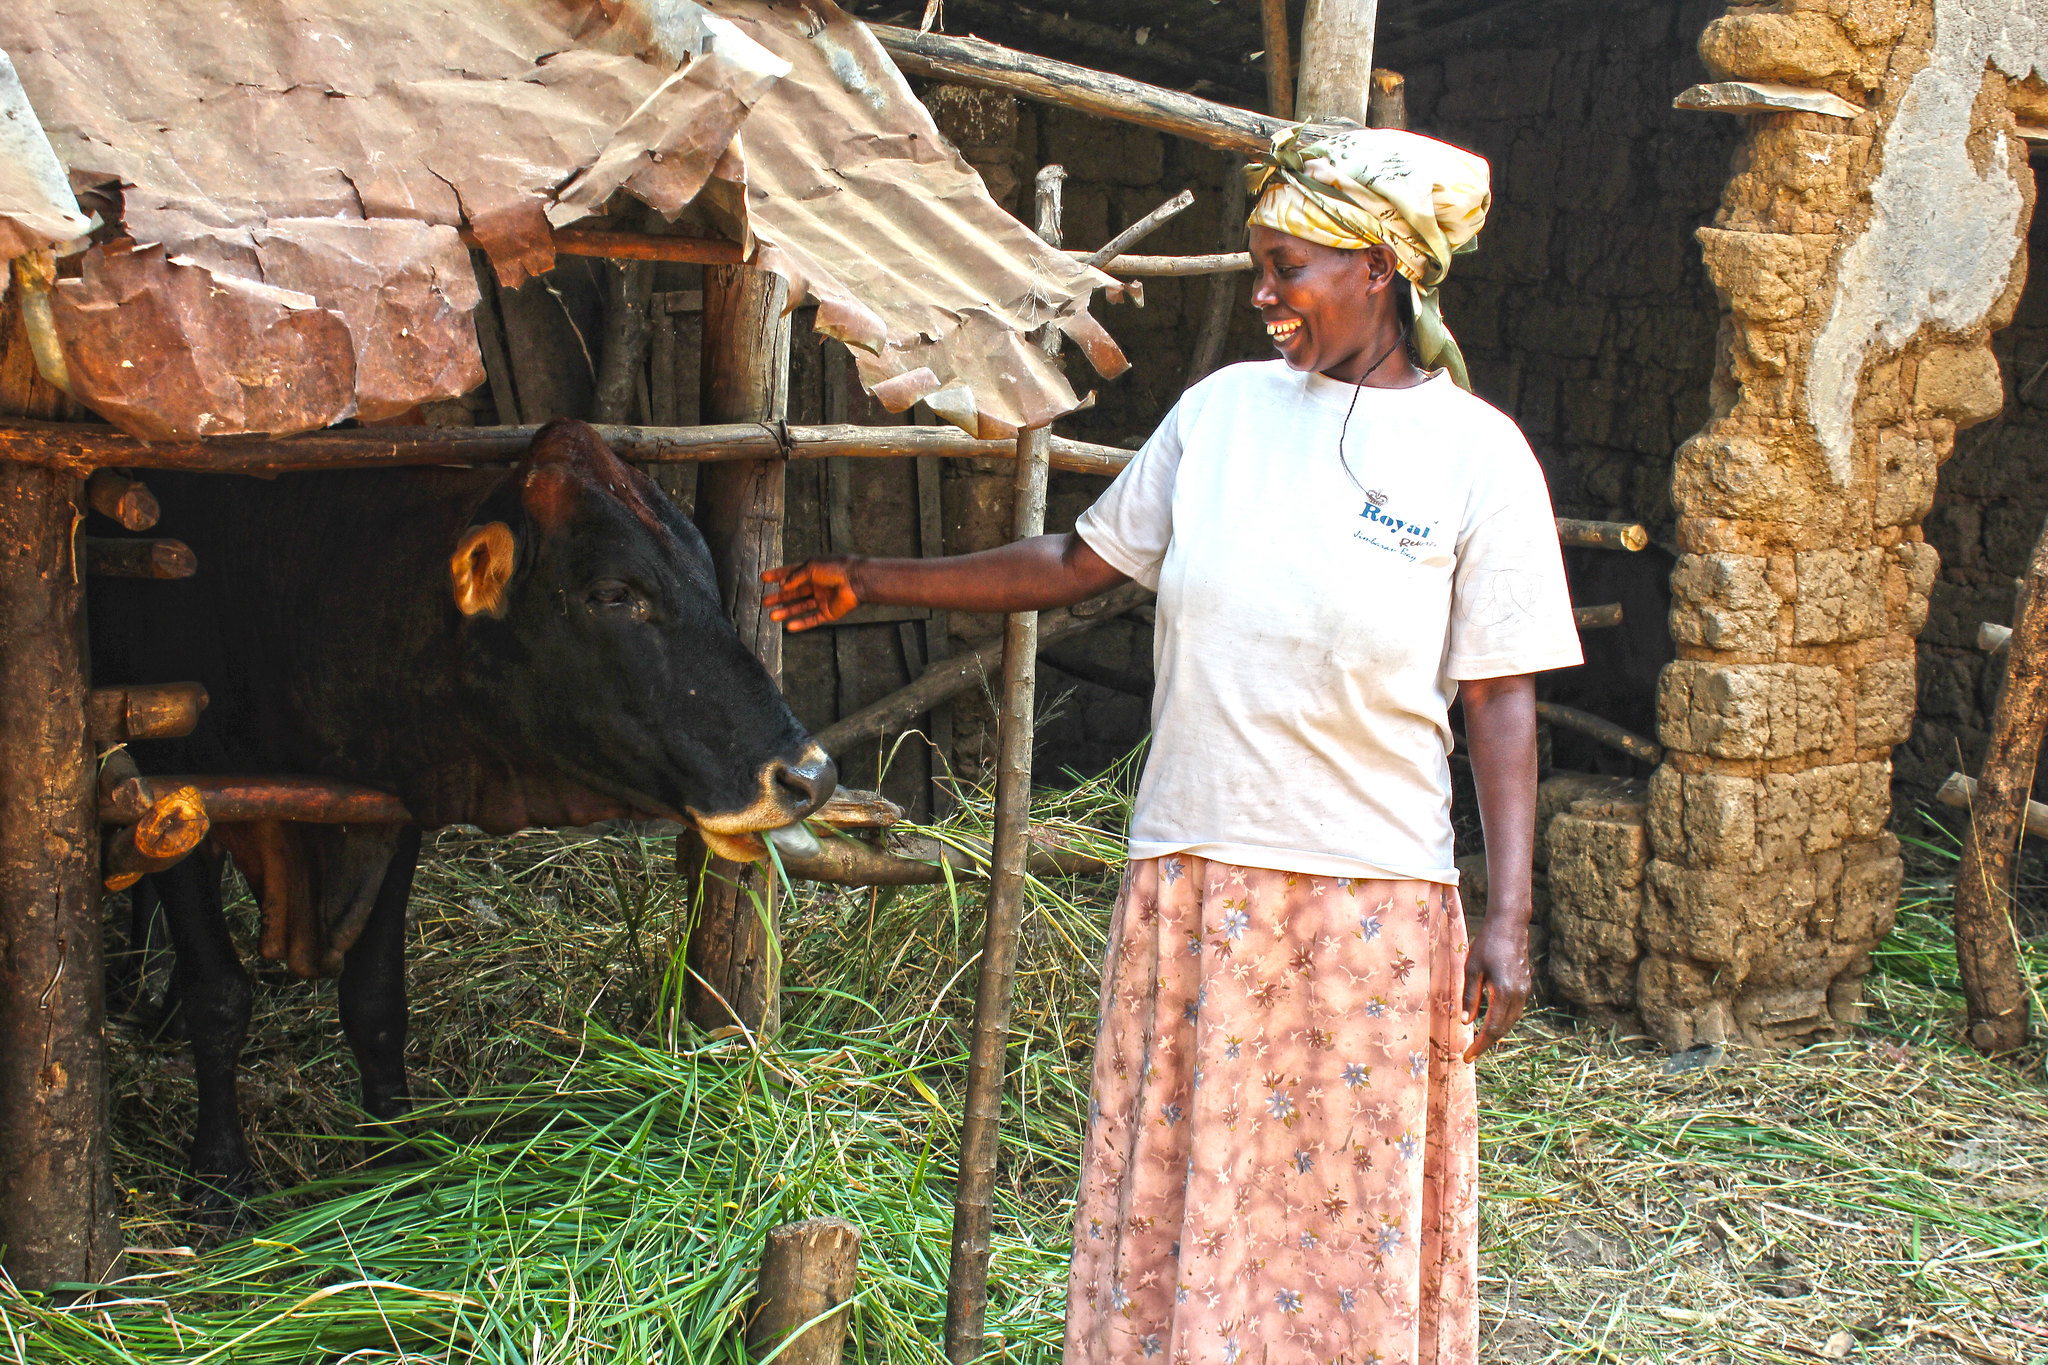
1282, 1153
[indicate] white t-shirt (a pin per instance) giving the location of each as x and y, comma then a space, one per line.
1312, 628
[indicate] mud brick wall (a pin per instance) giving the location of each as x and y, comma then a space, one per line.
1865, 263
1586, 313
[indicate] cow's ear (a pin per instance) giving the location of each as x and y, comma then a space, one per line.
481, 569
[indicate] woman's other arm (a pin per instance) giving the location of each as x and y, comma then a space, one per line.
1500, 727
1026, 575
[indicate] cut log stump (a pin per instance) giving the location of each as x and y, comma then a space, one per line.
808, 1274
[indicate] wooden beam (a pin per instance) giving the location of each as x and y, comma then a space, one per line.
115, 557
971, 61
1602, 535
733, 956
165, 835
80, 447
1597, 618
1960, 792
115, 715
1279, 59
248, 800
948, 678
121, 498
1215, 263
1602, 731
639, 246
922, 860
1336, 60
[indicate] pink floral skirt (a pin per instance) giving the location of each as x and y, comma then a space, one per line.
1283, 1147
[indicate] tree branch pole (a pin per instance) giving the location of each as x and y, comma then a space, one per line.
988, 1055
1987, 946
1279, 62
1223, 289
949, 678
57, 1202
739, 509
1336, 60
971, 61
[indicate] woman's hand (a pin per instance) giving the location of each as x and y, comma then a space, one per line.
813, 593
1500, 729
1497, 967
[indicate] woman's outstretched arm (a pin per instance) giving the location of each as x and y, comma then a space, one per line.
1500, 727
1027, 575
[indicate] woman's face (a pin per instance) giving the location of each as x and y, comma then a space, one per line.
1325, 309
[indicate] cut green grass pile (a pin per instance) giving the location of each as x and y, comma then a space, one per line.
595, 1180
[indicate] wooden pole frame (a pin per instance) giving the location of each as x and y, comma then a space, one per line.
989, 1052
734, 958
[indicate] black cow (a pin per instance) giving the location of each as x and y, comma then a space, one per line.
503, 648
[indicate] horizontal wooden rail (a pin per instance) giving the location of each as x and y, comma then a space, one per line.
82, 447
921, 860
972, 61
1217, 263
1602, 535
242, 800
639, 246
1960, 790
1602, 731
1597, 618
115, 715
116, 557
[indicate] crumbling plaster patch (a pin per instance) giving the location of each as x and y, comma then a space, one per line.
1939, 247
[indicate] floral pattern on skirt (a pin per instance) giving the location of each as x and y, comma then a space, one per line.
1283, 1144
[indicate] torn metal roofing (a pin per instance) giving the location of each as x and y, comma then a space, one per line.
283, 187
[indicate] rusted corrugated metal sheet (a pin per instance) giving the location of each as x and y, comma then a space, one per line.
941, 286
286, 180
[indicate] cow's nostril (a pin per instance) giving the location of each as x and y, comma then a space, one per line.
807, 783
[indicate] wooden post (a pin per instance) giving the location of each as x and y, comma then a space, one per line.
57, 1202
988, 1056
739, 508
808, 1269
1224, 289
1987, 949
1386, 101
1336, 60
1279, 62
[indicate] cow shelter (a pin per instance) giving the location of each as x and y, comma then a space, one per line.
1743, 287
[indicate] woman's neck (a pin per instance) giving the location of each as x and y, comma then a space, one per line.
1382, 365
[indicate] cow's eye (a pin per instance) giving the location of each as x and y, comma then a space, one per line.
610, 592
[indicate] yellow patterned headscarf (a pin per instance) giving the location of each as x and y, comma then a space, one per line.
1355, 188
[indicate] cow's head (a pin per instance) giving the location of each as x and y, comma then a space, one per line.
594, 628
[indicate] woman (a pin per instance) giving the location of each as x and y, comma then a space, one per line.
1283, 1149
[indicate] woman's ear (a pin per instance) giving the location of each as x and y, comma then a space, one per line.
480, 570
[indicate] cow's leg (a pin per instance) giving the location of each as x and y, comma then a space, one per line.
213, 993
373, 988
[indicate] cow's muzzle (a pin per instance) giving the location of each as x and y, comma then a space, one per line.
790, 789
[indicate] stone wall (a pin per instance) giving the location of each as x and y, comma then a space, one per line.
1864, 263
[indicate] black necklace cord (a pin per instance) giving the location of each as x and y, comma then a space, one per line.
1400, 338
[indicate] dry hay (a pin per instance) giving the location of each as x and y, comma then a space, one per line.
1885, 1197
